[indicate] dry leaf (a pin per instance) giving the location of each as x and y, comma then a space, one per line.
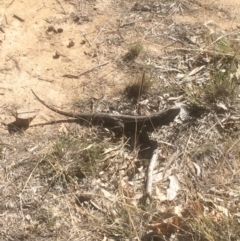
198, 170
173, 187
222, 106
165, 227
63, 129
108, 195
223, 210
238, 74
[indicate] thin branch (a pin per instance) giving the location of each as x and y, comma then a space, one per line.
84, 72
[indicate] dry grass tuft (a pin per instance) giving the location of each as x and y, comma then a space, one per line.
133, 51
222, 87
70, 159
211, 227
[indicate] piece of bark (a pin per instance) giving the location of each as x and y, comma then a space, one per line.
151, 167
24, 117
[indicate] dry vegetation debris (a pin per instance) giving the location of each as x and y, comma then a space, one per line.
71, 182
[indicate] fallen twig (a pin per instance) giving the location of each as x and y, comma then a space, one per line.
71, 76
84, 35
10, 3
84, 72
46, 79
18, 18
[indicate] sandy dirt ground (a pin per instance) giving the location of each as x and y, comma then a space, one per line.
34, 57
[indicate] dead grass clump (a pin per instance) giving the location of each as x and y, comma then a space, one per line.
70, 159
133, 51
223, 81
222, 87
206, 228
218, 82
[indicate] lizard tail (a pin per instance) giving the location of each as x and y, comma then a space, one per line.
68, 114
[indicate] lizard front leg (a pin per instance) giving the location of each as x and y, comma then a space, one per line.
115, 125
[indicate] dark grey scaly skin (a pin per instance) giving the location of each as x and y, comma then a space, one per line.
129, 123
